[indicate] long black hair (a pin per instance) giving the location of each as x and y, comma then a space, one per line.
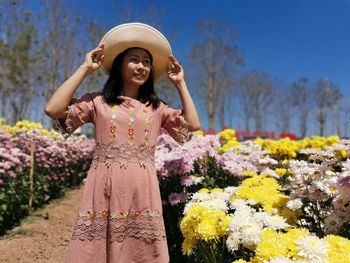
114, 84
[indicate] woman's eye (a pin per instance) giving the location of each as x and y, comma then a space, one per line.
147, 62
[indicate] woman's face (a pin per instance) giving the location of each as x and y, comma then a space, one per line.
136, 67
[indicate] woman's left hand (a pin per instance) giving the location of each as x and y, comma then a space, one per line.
175, 72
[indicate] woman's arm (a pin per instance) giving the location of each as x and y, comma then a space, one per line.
176, 75
57, 105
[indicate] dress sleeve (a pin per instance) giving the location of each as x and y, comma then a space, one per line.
174, 122
80, 111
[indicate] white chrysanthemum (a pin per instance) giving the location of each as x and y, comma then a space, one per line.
230, 190
330, 173
269, 172
272, 222
233, 241
196, 179
251, 234
294, 204
215, 204
328, 186
346, 165
239, 204
312, 247
240, 220
267, 160
223, 195
199, 197
332, 223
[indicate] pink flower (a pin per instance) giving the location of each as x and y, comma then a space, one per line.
186, 180
176, 198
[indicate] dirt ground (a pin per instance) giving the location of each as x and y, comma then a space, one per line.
44, 235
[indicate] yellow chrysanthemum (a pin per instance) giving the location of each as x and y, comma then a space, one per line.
228, 140
270, 246
289, 239
204, 190
285, 149
204, 224
274, 244
281, 171
227, 134
26, 126
248, 173
187, 245
199, 133
341, 155
216, 190
338, 249
291, 216
264, 190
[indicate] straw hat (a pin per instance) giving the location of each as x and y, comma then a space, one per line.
140, 35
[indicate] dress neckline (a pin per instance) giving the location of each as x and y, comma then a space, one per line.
128, 98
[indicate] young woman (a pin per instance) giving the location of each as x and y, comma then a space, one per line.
120, 217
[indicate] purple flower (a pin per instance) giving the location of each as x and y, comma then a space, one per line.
344, 181
176, 198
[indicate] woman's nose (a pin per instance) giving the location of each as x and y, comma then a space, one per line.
141, 66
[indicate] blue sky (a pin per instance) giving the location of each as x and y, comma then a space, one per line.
285, 38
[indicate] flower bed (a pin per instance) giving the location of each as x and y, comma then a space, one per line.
56, 165
257, 201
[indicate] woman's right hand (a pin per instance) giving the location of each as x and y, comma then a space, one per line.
94, 59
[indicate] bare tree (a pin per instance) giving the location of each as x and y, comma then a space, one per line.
257, 92
227, 97
300, 97
213, 58
18, 61
283, 111
345, 109
327, 95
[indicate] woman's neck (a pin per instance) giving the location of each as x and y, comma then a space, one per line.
130, 92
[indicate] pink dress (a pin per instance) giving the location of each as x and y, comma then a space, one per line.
120, 218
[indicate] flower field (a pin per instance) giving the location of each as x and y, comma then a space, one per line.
223, 200
257, 201
36, 166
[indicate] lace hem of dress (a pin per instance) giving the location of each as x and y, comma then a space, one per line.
123, 154
117, 226
56, 125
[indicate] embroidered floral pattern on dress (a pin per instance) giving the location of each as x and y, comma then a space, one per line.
123, 154
65, 132
113, 127
92, 225
146, 131
131, 112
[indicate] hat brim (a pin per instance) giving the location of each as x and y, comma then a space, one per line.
140, 35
